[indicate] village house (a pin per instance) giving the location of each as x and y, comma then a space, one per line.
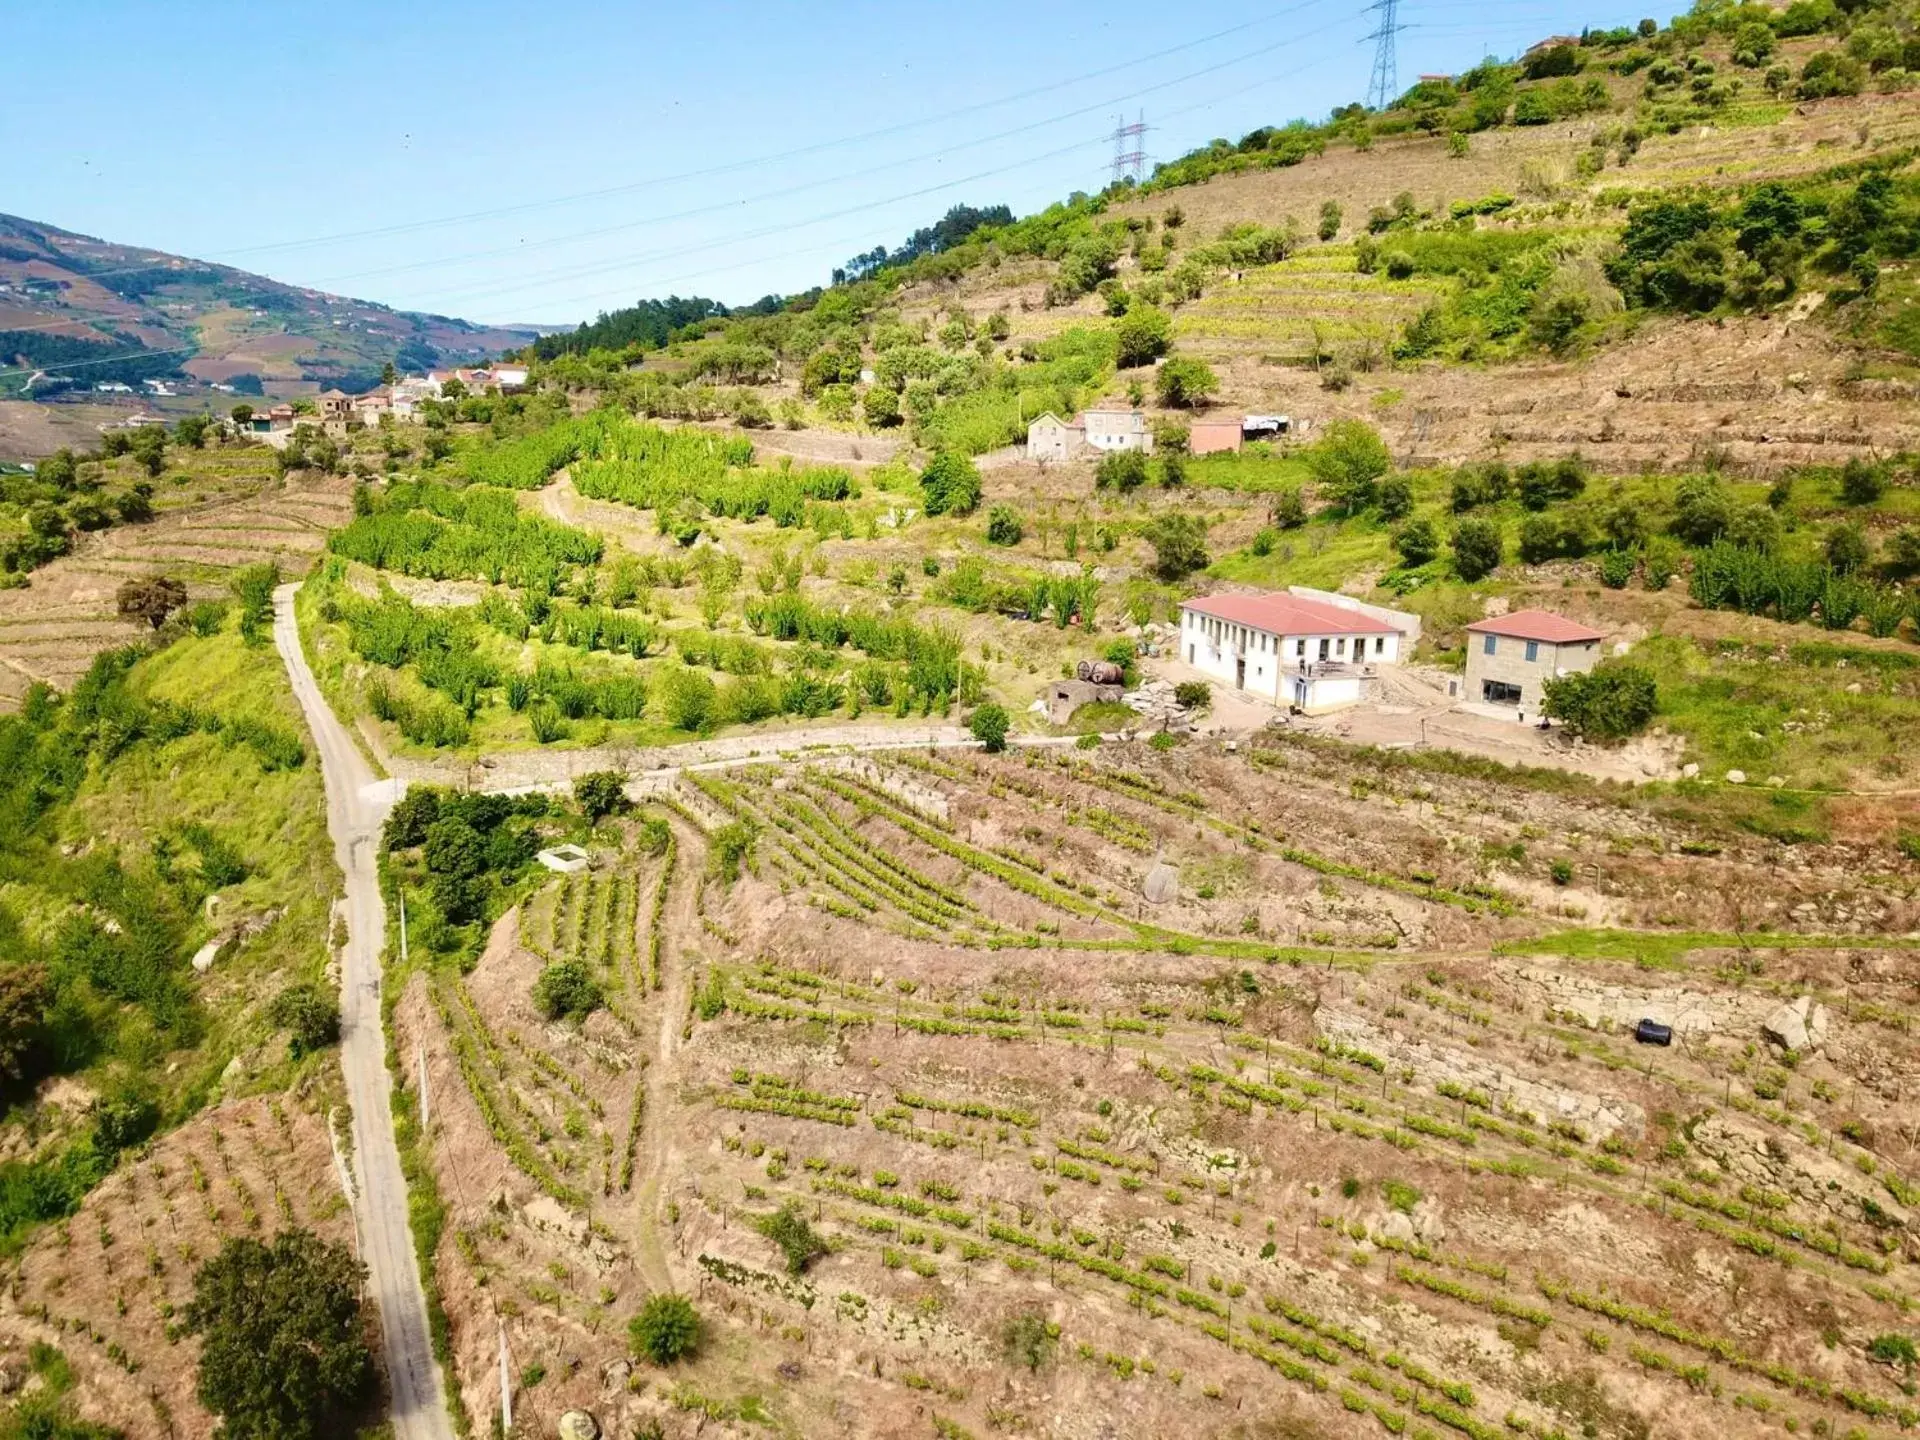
334, 405
1224, 434
510, 375
1302, 653
1118, 430
1510, 658
1051, 438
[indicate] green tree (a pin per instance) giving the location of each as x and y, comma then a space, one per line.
1395, 498
1847, 548
881, 406
389, 375
950, 485
242, 414
150, 448
1417, 541
600, 793
667, 1329
1477, 549
1179, 543
1184, 383
1003, 526
453, 847
191, 431
1609, 702
1701, 510
1330, 220
989, 726
283, 1343
1862, 482
310, 1016
787, 1228
566, 988
1347, 463
1121, 470
1144, 334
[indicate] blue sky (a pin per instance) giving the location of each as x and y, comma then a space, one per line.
545, 161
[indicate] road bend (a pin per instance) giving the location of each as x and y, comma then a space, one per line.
356, 806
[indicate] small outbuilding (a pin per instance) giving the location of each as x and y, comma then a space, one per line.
565, 859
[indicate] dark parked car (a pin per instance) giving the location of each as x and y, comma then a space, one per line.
1652, 1032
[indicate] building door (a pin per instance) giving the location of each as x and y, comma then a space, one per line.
1189, 652
1240, 674
1300, 688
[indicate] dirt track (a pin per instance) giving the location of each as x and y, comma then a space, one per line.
355, 809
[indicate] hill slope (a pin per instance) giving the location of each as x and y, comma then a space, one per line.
70, 302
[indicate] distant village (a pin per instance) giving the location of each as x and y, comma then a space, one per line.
334, 412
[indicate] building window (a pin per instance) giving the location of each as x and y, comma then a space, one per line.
1299, 649
1533, 651
1379, 644
1487, 645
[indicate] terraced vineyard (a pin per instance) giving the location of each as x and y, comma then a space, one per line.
1341, 1140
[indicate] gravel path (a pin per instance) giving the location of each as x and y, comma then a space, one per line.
356, 805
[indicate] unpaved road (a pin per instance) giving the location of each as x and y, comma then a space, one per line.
355, 808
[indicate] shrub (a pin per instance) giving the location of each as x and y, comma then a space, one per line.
1894, 1349
151, 599
1027, 1339
1003, 526
950, 485
1847, 549
600, 793
311, 1018
1562, 872
666, 1329
1399, 265
1477, 549
1609, 702
1329, 220
788, 1229
1861, 483
1184, 383
566, 989
1616, 569
1395, 497
989, 726
732, 844
1417, 542
1121, 470
1193, 694
1179, 544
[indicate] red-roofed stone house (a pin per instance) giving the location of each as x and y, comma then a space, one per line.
1293, 651
1510, 658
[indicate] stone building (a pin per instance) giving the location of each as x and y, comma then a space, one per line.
1511, 657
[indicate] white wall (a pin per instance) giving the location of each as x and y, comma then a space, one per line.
1213, 646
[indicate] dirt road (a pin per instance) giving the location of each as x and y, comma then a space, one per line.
356, 805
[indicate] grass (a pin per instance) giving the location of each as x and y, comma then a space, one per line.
1669, 950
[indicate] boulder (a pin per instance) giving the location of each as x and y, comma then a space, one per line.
1397, 1227
1690, 771
579, 1425
1736, 777
1797, 1025
1162, 883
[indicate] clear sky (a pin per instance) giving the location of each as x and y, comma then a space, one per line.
543, 160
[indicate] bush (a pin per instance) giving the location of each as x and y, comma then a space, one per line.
1395, 498
1399, 265
989, 726
1417, 542
1027, 1339
1122, 470
566, 989
311, 1018
151, 599
1003, 526
950, 485
1562, 872
1185, 383
283, 1351
1894, 1349
1847, 548
732, 844
667, 1329
600, 793
1609, 702
1861, 483
787, 1228
1179, 544
1477, 549
1329, 220
1193, 695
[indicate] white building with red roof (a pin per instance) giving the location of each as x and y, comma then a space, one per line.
1308, 654
1510, 658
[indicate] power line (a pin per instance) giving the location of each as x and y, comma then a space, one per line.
778, 157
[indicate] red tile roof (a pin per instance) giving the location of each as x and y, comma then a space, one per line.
1289, 615
1541, 625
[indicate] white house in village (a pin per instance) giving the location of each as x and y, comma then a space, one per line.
1286, 649
1051, 438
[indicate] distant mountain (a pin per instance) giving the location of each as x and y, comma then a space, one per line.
77, 312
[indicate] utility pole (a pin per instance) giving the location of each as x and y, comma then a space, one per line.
506, 1385
403, 926
1384, 87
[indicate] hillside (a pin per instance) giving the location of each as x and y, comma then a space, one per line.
73, 301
